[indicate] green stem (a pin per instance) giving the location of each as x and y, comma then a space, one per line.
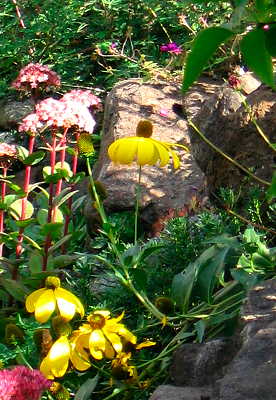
214, 147
137, 201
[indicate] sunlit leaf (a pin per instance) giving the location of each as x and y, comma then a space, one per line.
87, 388
257, 57
204, 46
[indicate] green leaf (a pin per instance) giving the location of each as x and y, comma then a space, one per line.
210, 266
87, 388
271, 192
61, 261
42, 216
16, 207
256, 56
200, 330
14, 288
244, 278
182, 286
77, 178
63, 196
53, 229
59, 243
22, 153
204, 46
24, 223
17, 189
139, 277
35, 262
34, 158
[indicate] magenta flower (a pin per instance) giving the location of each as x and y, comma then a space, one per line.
234, 82
85, 97
22, 383
33, 75
172, 48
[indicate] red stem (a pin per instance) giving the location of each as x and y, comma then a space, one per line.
70, 201
27, 179
18, 13
3, 193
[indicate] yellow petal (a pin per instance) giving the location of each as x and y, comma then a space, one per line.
176, 162
147, 343
78, 356
97, 344
68, 303
146, 153
32, 299
126, 150
115, 340
45, 306
163, 153
109, 351
126, 334
104, 313
58, 356
45, 369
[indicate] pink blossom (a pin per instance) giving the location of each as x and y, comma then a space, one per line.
85, 97
234, 82
22, 383
8, 150
171, 48
31, 124
34, 75
65, 114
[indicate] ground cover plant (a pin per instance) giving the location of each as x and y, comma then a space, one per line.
115, 338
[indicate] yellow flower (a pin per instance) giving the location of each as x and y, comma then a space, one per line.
43, 302
102, 336
143, 149
55, 364
121, 370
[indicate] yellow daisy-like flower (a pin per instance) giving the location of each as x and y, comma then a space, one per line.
43, 302
102, 336
143, 149
55, 364
121, 369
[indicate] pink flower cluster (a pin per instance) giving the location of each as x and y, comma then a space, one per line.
22, 383
70, 111
7, 150
33, 75
171, 48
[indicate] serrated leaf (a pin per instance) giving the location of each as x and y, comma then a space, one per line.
204, 46
87, 388
34, 158
260, 61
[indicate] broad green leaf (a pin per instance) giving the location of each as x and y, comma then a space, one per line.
78, 177
53, 229
204, 46
17, 189
32, 242
209, 269
14, 288
42, 216
22, 153
35, 262
16, 207
24, 223
61, 261
244, 278
139, 277
87, 388
257, 57
34, 158
64, 167
270, 42
182, 286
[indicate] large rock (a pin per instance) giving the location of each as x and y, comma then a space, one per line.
162, 188
168, 392
243, 368
217, 110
